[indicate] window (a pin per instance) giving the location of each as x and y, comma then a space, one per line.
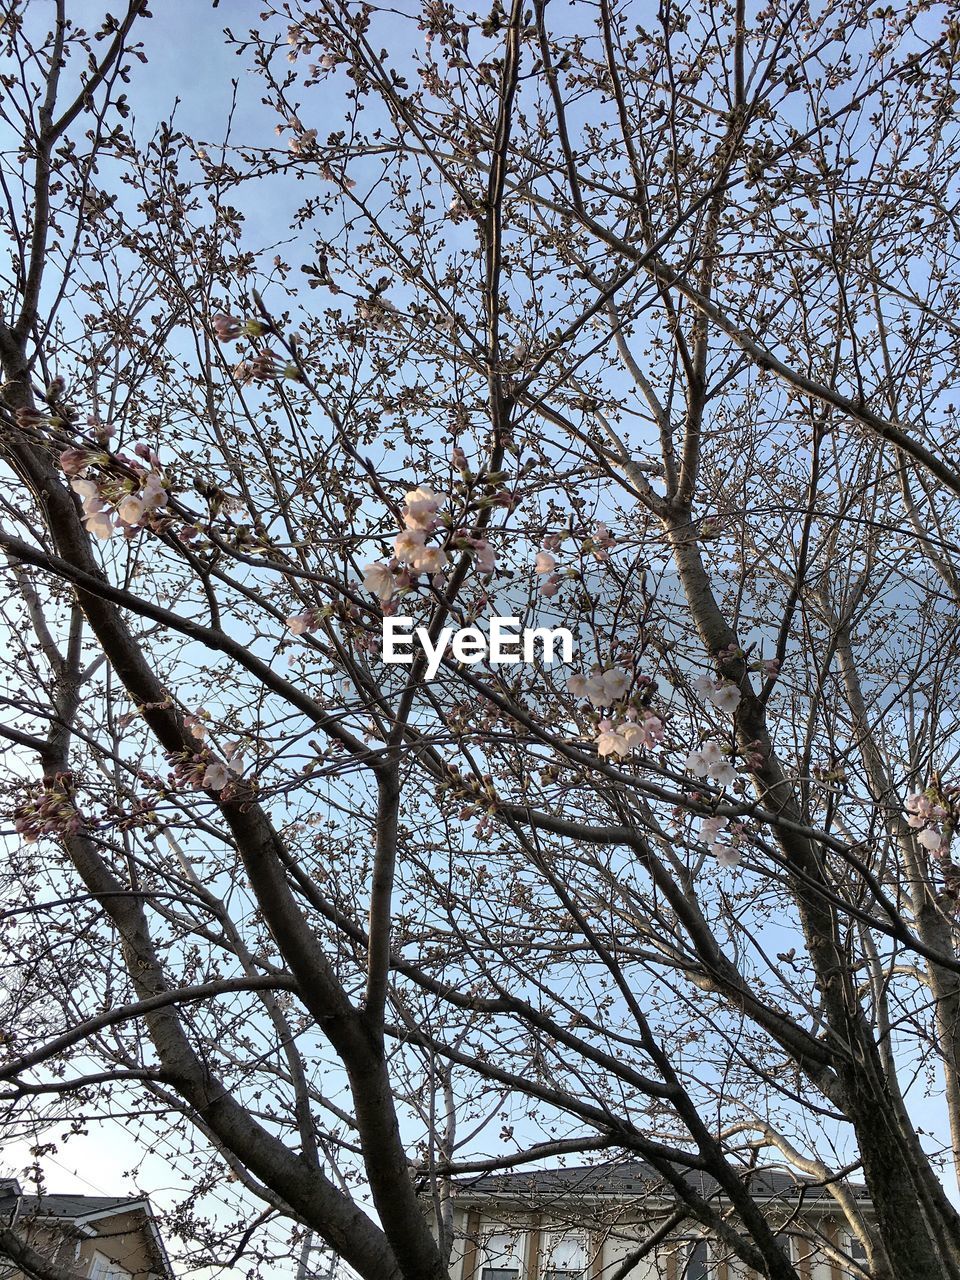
857, 1252
698, 1256
785, 1241
501, 1257
104, 1268
565, 1258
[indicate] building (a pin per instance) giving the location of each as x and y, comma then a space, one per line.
101, 1237
585, 1223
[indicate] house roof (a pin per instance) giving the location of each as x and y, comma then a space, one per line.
87, 1208
9, 1195
635, 1178
82, 1211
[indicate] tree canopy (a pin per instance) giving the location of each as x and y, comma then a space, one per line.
633, 320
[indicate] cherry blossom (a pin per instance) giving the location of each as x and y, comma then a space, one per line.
88, 492
300, 623
921, 810
302, 142
196, 726
51, 813
610, 741
135, 507
485, 556
376, 313
96, 516
386, 401
596, 691
407, 546
147, 454
634, 734
431, 560
216, 776
410, 549
154, 490
705, 758
726, 698
723, 774
131, 510
378, 580
264, 367
422, 504
602, 540
651, 732
100, 524
710, 829
603, 688
627, 735
28, 416
616, 683
931, 839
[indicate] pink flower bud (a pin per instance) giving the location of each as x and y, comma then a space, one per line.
30, 417
75, 461
227, 328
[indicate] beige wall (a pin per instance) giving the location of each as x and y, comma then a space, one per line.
605, 1252
55, 1245
122, 1238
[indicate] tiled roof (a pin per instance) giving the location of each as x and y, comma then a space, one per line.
634, 1178
69, 1206
9, 1189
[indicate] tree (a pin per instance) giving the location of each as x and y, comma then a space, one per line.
636, 323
